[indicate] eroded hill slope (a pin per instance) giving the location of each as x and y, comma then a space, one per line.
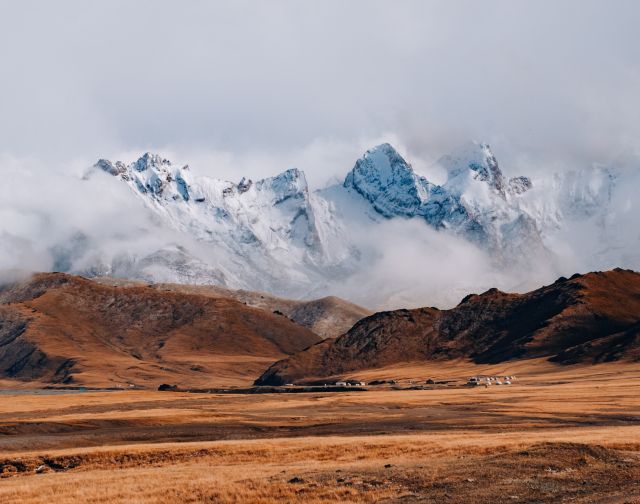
63, 329
587, 318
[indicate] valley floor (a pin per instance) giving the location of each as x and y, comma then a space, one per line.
559, 434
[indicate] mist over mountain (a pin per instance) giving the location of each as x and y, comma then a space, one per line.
384, 236
423, 218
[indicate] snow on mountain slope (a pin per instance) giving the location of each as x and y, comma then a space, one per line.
279, 236
475, 202
272, 234
208, 207
389, 183
596, 213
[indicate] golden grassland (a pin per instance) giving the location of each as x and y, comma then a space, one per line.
558, 434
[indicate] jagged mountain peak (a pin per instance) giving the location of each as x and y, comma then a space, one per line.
473, 161
387, 150
288, 182
475, 202
476, 156
151, 174
111, 168
388, 182
383, 163
151, 161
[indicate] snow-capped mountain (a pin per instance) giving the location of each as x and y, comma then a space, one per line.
278, 235
475, 202
271, 234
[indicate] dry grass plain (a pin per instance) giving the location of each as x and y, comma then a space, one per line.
559, 434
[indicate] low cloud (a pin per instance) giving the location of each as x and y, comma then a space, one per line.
250, 88
412, 265
93, 80
50, 211
55, 218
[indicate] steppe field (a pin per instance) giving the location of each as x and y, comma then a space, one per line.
557, 434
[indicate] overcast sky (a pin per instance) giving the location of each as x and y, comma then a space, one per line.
252, 85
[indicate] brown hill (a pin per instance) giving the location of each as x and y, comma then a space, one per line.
328, 317
588, 318
57, 328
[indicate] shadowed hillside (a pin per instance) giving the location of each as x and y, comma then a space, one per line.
588, 318
63, 329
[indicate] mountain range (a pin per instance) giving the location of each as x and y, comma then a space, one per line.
280, 236
64, 330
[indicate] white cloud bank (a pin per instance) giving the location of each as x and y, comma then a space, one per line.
251, 88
